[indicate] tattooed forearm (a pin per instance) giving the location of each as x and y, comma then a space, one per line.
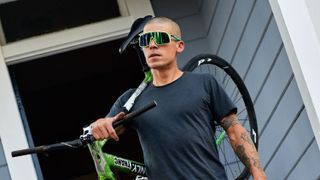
251, 153
243, 145
240, 151
229, 121
245, 159
246, 138
256, 163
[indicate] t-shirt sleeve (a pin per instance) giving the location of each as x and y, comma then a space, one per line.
118, 105
221, 102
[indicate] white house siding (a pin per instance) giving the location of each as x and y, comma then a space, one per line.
244, 32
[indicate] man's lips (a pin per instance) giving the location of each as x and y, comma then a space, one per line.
154, 55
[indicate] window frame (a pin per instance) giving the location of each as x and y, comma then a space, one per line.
78, 37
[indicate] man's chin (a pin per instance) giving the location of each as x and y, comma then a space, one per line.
155, 66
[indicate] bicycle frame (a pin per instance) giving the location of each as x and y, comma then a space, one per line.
104, 163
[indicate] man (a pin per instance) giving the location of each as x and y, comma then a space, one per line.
177, 137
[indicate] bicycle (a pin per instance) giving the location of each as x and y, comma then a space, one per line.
223, 72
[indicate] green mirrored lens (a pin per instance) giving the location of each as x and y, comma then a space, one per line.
162, 38
159, 38
144, 39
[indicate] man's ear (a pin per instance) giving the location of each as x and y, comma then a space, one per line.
180, 46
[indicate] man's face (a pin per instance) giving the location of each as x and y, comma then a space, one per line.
161, 56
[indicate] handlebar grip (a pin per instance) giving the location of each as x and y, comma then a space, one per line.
22, 152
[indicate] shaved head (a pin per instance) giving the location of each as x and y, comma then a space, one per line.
174, 27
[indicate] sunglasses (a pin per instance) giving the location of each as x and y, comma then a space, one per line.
160, 38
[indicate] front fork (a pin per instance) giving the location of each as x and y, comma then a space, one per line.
105, 162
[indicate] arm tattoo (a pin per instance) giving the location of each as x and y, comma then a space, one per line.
256, 163
228, 122
246, 138
243, 145
240, 151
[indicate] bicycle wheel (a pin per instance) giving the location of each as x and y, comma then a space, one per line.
232, 83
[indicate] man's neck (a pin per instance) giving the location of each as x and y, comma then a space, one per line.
163, 77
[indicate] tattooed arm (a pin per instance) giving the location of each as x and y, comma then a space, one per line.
243, 145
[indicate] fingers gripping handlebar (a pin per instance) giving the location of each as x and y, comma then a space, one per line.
85, 138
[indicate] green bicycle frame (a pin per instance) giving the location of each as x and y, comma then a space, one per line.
148, 78
105, 162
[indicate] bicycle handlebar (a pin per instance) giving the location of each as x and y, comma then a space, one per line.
134, 114
83, 140
46, 148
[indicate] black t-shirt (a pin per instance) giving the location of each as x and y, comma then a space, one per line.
177, 136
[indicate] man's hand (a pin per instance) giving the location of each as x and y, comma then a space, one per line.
243, 146
103, 129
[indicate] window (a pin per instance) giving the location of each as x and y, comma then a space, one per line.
24, 19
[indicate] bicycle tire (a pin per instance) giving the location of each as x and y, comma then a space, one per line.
236, 89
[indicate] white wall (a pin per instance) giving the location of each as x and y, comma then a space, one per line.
11, 128
313, 9
298, 23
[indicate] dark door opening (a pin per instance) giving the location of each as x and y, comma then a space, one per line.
63, 93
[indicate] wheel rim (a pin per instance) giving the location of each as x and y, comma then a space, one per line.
238, 93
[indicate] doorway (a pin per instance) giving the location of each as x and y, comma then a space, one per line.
63, 93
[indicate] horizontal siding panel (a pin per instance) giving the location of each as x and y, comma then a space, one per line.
219, 23
208, 9
192, 49
280, 122
2, 157
175, 9
272, 89
308, 166
199, 3
4, 173
252, 37
291, 149
265, 56
235, 28
192, 27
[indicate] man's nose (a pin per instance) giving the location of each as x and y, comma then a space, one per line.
153, 44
